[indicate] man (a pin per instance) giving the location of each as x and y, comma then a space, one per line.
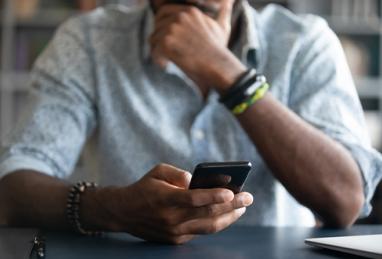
141, 87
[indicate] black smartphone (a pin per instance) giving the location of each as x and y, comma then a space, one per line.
230, 175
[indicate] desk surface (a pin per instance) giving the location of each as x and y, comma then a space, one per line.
233, 243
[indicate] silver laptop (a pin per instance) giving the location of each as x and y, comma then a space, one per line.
366, 245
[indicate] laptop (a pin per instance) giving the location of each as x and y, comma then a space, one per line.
366, 245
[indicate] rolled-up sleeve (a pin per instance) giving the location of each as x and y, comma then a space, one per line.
61, 110
323, 94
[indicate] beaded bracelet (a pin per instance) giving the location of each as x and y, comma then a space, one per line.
73, 207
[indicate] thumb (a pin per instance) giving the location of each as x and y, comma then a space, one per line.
225, 14
172, 175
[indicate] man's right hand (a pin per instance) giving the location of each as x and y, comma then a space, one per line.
159, 207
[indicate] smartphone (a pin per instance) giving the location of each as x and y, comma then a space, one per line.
230, 175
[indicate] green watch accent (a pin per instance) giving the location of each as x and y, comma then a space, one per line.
257, 95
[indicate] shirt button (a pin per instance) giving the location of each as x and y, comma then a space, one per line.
199, 134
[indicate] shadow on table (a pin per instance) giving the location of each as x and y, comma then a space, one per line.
126, 246
331, 253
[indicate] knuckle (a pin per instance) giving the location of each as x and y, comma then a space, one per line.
167, 219
182, 17
160, 167
192, 200
174, 230
192, 10
176, 240
171, 220
211, 210
213, 227
168, 41
172, 28
185, 175
236, 203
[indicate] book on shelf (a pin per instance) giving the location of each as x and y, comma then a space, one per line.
358, 56
363, 54
356, 10
1, 50
28, 46
25, 9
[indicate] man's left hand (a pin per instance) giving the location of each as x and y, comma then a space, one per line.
197, 44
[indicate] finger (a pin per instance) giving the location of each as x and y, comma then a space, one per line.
161, 40
157, 54
174, 9
158, 35
200, 197
240, 200
245, 199
165, 22
160, 61
225, 14
157, 57
171, 175
155, 233
210, 225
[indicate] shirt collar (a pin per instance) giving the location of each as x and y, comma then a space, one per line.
248, 41
244, 47
147, 27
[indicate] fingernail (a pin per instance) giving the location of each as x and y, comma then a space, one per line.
188, 175
246, 200
241, 210
227, 194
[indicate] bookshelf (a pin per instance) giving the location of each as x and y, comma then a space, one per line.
25, 28
27, 25
358, 23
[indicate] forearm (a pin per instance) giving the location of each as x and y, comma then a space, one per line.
319, 172
30, 198
157, 208
315, 169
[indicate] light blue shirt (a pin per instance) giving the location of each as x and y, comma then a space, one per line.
96, 92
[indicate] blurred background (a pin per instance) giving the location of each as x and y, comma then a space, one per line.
27, 25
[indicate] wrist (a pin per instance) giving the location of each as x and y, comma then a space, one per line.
97, 209
225, 72
245, 92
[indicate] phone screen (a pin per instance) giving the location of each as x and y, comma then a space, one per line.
230, 175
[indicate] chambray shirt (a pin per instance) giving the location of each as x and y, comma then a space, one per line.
96, 93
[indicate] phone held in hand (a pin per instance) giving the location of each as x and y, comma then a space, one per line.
230, 175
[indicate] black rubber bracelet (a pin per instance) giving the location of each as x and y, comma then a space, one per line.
238, 93
241, 83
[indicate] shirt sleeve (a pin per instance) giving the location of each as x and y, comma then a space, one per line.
61, 111
324, 95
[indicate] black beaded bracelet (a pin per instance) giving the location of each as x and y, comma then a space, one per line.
73, 207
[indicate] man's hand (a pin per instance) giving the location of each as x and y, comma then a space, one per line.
160, 207
197, 44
